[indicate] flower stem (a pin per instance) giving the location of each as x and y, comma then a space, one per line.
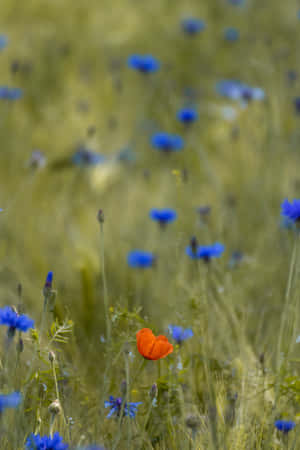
287, 300
105, 295
285, 315
139, 370
129, 436
55, 380
52, 420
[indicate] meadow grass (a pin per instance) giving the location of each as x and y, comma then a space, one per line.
226, 386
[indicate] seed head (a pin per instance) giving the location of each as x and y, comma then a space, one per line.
55, 407
192, 421
100, 216
126, 348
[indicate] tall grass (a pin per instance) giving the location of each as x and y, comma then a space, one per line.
225, 387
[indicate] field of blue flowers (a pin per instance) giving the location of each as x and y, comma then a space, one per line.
149, 225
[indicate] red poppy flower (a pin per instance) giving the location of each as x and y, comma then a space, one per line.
152, 347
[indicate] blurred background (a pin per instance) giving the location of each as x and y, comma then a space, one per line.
79, 139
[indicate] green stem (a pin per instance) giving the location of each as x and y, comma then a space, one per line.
58, 398
212, 404
129, 436
44, 315
55, 380
148, 415
105, 295
139, 369
284, 317
118, 437
158, 369
287, 298
52, 420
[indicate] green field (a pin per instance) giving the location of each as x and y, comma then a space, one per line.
225, 387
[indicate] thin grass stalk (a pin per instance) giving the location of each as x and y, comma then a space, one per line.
105, 293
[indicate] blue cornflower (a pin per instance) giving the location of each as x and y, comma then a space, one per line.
3, 41
143, 63
297, 104
140, 259
236, 90
180, 334
7, 93
14, 320
38, 442
284, 425
187, 115
291, 210
205, 252
10, 400
49, 279
231, 34
167, 142
115, 405
163, 216
192, 25
85, 158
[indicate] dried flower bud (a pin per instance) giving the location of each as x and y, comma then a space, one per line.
15, 66
192, 421
91, 130
126, 348
51, 356
194, 244
55, 407
100, 216
204, 210
185, 175
153, 391
20, 289
262, 358
232, 396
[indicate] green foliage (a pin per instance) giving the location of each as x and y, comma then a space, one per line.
60, 332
